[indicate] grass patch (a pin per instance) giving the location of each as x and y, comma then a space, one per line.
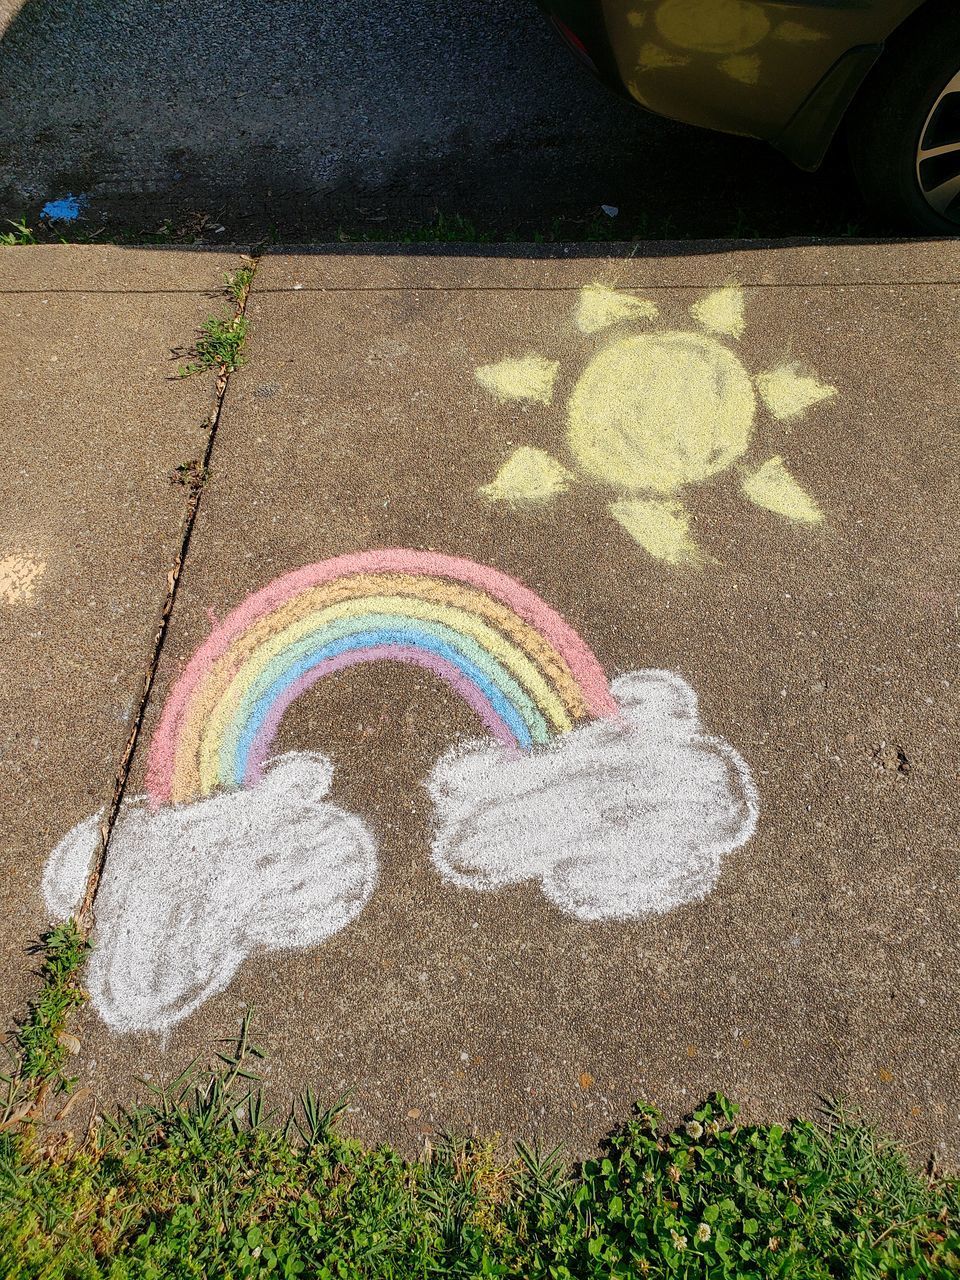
593, 226
41, 1036
219, 346
200, 1182
41, 1044
454, 228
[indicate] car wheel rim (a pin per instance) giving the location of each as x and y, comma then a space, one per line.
938, 154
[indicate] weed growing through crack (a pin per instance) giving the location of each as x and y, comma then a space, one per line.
199, 1181
219, 345
190, 475
239, 282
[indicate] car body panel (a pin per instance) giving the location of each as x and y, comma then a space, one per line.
811, 129
780, 70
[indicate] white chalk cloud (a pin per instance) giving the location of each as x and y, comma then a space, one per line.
188, 892
617, 819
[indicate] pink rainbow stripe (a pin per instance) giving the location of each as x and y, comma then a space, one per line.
583, 664
391, 652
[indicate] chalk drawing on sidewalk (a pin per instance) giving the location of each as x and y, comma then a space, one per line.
189, 891
612, 796
654, 413
66, 209
622, 817
19, 575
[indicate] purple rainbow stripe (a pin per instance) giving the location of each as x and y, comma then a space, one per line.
380, 652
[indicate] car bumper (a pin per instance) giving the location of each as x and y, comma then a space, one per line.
780, 70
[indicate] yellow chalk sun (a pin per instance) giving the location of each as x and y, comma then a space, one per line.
653, 413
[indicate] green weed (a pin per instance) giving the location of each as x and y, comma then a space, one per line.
21, 234
191, 475
238, 283
219, 346
199, 1182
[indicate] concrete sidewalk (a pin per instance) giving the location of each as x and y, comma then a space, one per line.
698, 514
95, 423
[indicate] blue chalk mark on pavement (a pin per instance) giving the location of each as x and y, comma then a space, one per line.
65, 210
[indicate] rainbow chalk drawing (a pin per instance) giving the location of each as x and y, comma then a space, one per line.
612, 796
524, 671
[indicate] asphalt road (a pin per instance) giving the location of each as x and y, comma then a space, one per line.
296, 120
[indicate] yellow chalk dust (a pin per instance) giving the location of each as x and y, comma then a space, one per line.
18, 578
774, 488
600, 306
744, 67
787, 393
712, 26
657, 411
528, 478
722, 311
661, 526
528, 378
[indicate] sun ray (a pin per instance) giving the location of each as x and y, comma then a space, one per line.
601, 306
653, 56
744, 67
772, 487
721, 311
660, 526
796, 33
529, 377
528, 478
787, 393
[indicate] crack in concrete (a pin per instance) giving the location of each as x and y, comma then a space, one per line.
84, 914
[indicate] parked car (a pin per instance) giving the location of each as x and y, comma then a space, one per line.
796, 73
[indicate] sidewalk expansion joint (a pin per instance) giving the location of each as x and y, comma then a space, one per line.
646, 285
240, 285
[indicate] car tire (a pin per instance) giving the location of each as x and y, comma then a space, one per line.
909, 106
